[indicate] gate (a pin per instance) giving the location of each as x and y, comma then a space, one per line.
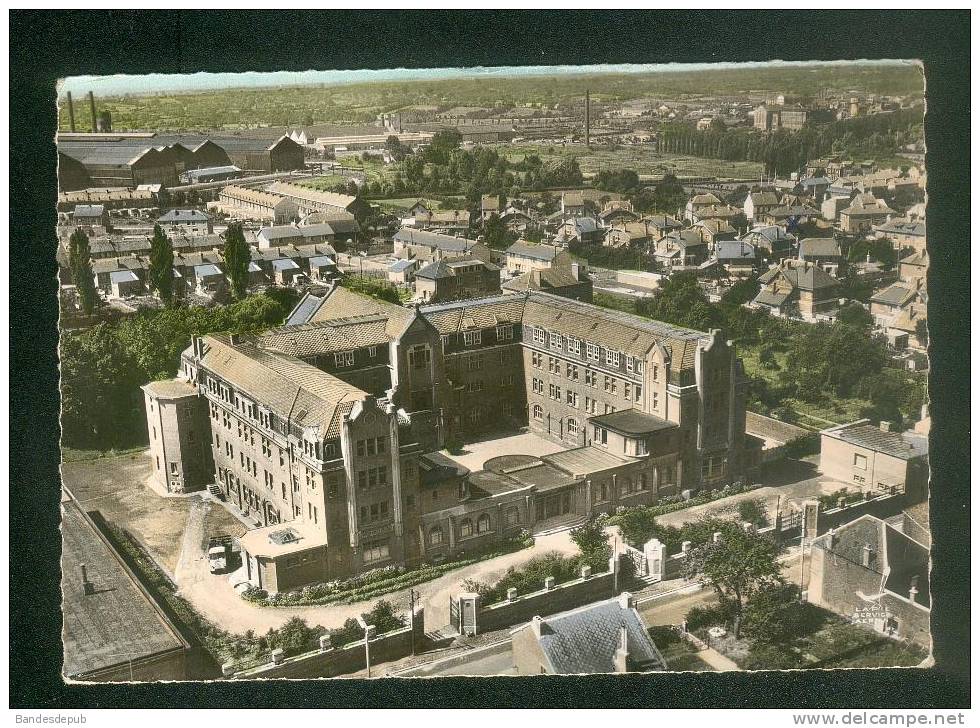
638, 559
454, 614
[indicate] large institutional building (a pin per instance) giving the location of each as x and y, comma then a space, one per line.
325, 432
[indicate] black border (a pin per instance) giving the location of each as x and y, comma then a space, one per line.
49, 44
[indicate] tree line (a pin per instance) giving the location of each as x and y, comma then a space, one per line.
103, 367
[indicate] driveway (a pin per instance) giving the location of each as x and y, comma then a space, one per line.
790, 481
214, 595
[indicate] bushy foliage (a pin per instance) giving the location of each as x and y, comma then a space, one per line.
373, 287
753, 510
102, 368
529, 577
593, 544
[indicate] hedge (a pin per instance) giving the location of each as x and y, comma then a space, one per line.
368, 586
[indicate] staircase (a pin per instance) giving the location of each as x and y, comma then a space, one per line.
215, 490
559, 523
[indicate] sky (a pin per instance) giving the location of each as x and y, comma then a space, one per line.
171, 82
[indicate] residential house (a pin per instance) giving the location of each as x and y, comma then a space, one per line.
516, 221
449, 222
489, 205
580, 230
604, 637
795, 288
789, 216
573, 204
699, 202
681, 249
757, 203
629, 235
713, 231
864, 213
875, 574
524, 256
772, 241
309, 200
402, 272
905, 233
825, 253
454, 279
186, 223
716, 212
616, 213
428, 246
875, 458
94, 219
738, 258
833, 205
661, 225
565, 276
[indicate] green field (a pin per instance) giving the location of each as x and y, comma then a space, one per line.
647, 162
248, 108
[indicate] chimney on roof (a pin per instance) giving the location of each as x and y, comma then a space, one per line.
71, 112
626, 601
913, 588
536, 622
87, 586
885, 426
621, 658
866, 555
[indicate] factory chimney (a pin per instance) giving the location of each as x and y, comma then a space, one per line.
91, 104
71, 111
587, 119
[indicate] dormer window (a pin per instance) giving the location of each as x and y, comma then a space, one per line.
343, 359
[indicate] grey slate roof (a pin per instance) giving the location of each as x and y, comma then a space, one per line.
904, 445
525, 249
819, 248
88, 211
304, 310
585, 640
183, 216
445, 243
293, 389
897, 294
435, 270
734, 250
631, 422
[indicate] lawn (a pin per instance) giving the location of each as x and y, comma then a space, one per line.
808, 414
828, 641
680, 655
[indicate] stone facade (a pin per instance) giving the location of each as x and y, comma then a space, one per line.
177, 423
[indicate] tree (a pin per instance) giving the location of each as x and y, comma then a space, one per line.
80, 265
669, 194
753, 510
681, 301
775, 615
443, 143
394, 145
856, 316
496, 235
237, 256
295, 637
162, 266
593, 544
737, 567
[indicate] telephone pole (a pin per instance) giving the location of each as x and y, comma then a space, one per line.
412, 596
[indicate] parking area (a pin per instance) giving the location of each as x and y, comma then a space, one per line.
118, 488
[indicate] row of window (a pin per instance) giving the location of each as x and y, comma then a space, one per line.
573, 345
504, 332
343, 359
371, 446
374, 512
512, 517
371, 477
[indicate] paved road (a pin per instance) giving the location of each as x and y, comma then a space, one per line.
214, 595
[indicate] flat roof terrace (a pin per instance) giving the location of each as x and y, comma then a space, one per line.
475, 454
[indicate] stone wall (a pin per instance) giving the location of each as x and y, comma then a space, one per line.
541, 603
772, 429
344, 660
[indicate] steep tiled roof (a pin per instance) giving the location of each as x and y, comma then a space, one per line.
327, 336
342, 303
450, 318
616, 330
291, 388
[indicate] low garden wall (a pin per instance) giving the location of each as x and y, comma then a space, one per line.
331, 662
558, 598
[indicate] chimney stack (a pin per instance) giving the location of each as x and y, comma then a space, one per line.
621, 657
71, 112
587, 119
91, 104
913, 588
87, 586
536, 625
885, 426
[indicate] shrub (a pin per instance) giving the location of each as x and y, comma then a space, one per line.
754, 511
704, 617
